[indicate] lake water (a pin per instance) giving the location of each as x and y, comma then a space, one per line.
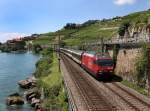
14, 67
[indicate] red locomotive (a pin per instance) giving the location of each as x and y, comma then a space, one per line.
96, 63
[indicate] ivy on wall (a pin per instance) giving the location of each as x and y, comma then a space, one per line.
143, 66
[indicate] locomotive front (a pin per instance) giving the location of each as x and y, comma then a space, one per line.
105, 64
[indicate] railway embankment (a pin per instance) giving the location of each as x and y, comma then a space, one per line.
76, 102
50, 83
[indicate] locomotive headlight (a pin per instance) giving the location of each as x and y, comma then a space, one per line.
100, 72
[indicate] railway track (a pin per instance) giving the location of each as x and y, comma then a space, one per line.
93, 98
132, 101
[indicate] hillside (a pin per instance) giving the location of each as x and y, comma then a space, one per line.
95, 29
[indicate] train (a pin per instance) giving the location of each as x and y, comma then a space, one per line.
96, 63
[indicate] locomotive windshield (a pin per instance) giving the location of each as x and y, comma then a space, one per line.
105, 62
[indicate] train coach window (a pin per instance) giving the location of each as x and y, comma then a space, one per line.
105, 62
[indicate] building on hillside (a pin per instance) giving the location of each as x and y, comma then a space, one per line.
15, 44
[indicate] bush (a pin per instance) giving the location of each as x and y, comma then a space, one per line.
44, 64
37, 48
123, 27
143, 65
47, 52
115, 54
55, 98
43, 67
71, 26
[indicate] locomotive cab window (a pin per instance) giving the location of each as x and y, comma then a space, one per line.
105, 62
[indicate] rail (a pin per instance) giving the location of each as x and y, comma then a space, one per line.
91, 96
129, 98
72, 105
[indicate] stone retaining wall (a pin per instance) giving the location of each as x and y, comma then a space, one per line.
125, 65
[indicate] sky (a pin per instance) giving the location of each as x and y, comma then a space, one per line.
25, 17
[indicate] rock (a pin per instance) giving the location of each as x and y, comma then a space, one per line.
38, 107
32, 96
28, 83
39, 110
34, 101
25, 84
14, 99
32, 79
32, 93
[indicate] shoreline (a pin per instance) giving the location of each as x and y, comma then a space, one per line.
31, 94
15, 67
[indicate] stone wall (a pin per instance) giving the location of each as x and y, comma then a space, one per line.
127, 56
125, 65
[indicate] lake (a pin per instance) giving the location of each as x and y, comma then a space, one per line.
15, 67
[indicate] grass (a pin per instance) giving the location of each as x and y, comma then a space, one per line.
95, 30
137, 88
43, 39
55, 76
52, 83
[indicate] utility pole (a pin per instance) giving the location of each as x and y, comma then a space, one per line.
102, 44
59, 51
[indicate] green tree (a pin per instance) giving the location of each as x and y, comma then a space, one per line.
123, 27
143, 66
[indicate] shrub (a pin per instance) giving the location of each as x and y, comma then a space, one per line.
44, 64
43, 67
123, 27
47, 52
37, 48
143, 65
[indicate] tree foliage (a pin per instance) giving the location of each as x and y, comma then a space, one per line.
47, 52
143, 66
115, 54
123, 27
37, 48
71, 26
